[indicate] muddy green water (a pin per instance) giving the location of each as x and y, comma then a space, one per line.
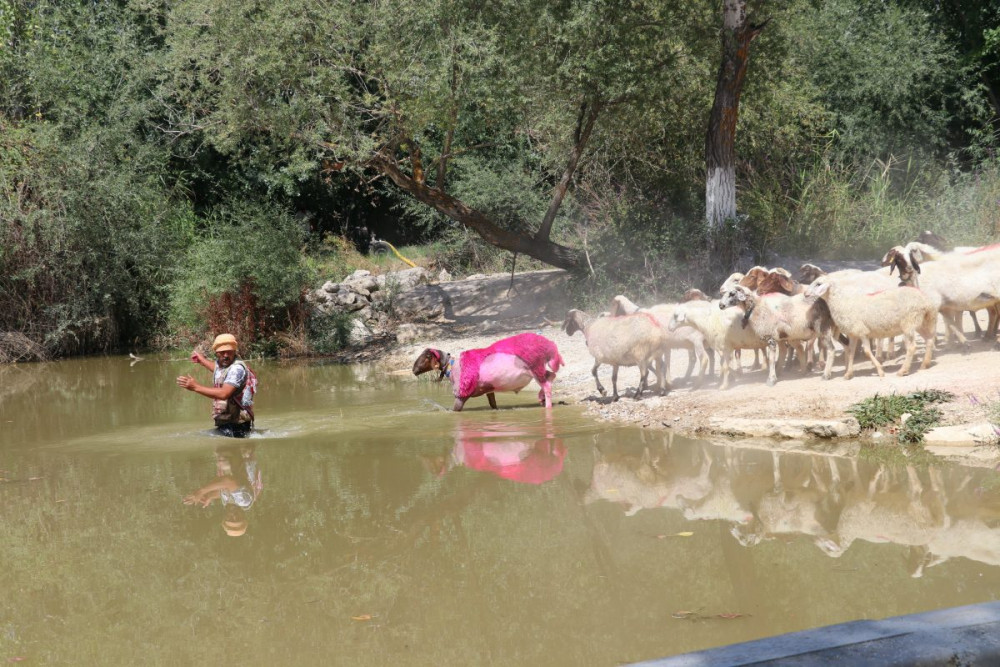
383, 530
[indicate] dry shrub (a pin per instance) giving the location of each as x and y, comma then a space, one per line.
15, 346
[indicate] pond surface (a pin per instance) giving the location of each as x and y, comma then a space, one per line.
365, 525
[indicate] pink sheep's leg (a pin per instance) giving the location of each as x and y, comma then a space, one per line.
459, 404
545, 394
491, 397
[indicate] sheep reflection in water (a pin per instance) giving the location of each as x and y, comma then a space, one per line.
529, 456
834, 502
688, 479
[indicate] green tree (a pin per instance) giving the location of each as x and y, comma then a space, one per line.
426, 94
88, 229
891, 81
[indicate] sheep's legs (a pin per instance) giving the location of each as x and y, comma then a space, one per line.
975, 322
692, 360
870, 353
927, 333
953, 324
614, 383
600, 387
724, 366
804, 352
643, 368
661, 367
702, 356
852, 348
663, 377
910, 341
459, 404
826, 342
491, 397
771, 353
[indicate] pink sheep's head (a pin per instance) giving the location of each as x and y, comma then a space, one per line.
429, 360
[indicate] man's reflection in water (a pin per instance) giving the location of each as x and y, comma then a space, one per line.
530, 455
237, 485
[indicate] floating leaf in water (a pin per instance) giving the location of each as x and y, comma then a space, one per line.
685, 533
683, 614
730, 616
17, 658
362, 617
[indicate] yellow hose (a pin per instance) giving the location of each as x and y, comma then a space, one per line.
396, 252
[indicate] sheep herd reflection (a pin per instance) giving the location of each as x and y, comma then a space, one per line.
939, 512
834, 501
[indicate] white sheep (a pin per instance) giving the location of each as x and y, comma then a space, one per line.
628, 340
877, 314
723, 330
954, 279
687, 338
779, 318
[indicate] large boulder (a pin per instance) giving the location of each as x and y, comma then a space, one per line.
426, 302
403, 280
360, 334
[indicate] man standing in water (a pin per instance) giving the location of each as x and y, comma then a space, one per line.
232, 388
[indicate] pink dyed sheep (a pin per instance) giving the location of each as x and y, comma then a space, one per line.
506, 365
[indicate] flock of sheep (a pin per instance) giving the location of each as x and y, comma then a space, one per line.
766, 309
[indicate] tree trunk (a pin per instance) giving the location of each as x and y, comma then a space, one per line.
551, 253
584, 126
720, 153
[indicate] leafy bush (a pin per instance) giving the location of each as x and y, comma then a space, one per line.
244, 274
329, 333
88, 239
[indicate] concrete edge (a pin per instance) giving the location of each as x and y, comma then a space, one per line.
970, 633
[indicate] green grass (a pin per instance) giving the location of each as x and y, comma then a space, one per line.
880, 410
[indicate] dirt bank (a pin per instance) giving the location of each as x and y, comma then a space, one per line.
800, 407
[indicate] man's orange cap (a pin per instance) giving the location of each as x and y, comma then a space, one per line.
224, 342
